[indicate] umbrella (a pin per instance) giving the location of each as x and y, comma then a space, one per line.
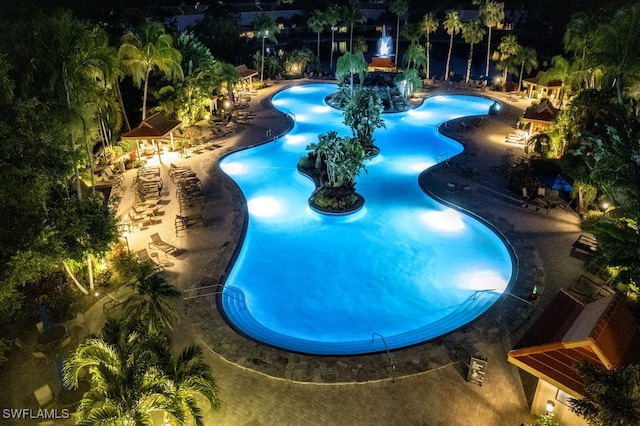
561, 184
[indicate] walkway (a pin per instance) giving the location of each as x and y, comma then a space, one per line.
422, 385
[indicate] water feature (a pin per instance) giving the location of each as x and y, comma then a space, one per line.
405, 267
385, 45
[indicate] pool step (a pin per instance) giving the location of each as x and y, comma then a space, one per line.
236, 310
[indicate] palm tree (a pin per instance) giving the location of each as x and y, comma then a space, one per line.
617, 45
399, 8
560, 70
492, 14
79, 62
226, 74
134, 374
140, 54
352, 14
528, 60
578, 37
415, 57
265, 27
453, 26
412, 32
154, 302
430, 25
317, 23
508, 47
472, 33
351, 64
332, 16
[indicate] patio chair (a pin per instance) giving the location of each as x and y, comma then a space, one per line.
157, 242
113, 302
143, 256
45, 397
115, 180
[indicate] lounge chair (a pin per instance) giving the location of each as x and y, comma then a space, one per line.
144, 256
157, 242
585, 244
112, 303
116, 180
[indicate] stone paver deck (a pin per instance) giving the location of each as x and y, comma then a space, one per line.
421, 385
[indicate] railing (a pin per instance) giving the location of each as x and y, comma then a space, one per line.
393, 367
443, 157
474, 296
290, 114
530, 303
214, 293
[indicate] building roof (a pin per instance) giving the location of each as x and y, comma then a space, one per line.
154, 127
245, 72
571, 329
543, 112
536, 81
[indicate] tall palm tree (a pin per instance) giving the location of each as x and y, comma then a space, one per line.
412, 32
508, 47
578, 37
78, 62
265, 27
415, 57
452, 25
561, 70
472, 33
226, 74
317, 23
332, 17
399, 8
492, 14
134, 374
352, 14
351, 64
617, 46
153, 302
151, 49
430, 25
528, 60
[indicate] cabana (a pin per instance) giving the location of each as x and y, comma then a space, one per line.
549, 90
539, 117
573, 328
247, 74
153, 129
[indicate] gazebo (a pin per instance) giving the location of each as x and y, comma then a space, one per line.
153, 128
549, 90
246, 73
539, 117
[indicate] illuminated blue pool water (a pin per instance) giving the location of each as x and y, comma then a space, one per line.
403, 270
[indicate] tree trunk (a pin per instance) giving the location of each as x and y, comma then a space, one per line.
446, 70
90, 270
73, 278
520, 79
397, 41
486, 72
428, 48
318, 48
331, 58
466, 80
144, 95
121, 102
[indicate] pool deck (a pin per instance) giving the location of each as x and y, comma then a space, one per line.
422, 385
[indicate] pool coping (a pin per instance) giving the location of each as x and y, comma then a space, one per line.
456, 347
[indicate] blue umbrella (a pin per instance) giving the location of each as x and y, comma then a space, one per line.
561, 184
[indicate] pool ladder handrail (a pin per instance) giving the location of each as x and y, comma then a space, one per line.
474, 296
393, 367
215, 293
444, 157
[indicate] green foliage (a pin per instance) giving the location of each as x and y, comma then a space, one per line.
546, 420
348, 65
611, 397
154, 302
363, 115
134, 374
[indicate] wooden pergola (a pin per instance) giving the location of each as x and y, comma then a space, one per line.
247, 73
153, 128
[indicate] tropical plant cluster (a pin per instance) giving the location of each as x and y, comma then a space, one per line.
65, 83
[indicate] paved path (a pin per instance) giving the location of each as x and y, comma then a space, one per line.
422, 385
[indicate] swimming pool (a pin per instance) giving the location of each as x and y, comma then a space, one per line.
402, 270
